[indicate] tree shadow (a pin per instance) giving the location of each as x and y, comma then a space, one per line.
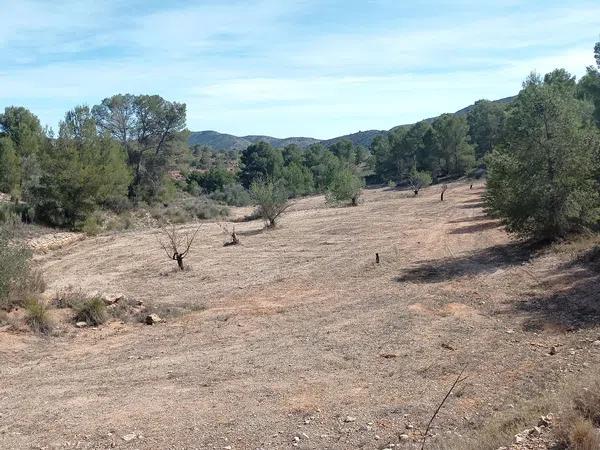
487, 260
471, 219
473, 200
572, 308
476, 228
574, 300
479, 204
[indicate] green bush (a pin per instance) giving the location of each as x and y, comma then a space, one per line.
419, 179
91, 311
37, 317
345, 187
271, 199
92, 225
233, 195
14, 272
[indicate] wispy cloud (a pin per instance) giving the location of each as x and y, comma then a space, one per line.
287, 68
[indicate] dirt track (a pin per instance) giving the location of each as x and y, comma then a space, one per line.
300, 329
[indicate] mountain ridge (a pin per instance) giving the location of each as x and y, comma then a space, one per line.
224, 141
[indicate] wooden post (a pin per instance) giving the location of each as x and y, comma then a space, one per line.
376, 258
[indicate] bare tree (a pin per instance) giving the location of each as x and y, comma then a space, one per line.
231, 233
176, 243
444, 189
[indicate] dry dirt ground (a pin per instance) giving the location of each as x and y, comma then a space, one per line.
297, 339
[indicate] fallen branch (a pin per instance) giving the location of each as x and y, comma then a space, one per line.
456, 382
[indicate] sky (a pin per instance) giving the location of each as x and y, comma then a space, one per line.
318, 68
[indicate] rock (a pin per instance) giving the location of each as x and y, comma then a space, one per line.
404, 437
596, 343
112, 299
296, 439
409, 426
519, 439
350, 419
81, 324
535, 431
377, 437
227, 447
152, 319
129, 437
552, 350
546, 421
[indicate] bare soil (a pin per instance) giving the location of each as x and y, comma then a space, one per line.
297, 339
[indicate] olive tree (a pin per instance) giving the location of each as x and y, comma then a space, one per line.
345, 187
271, 199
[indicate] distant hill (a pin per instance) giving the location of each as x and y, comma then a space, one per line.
222, 141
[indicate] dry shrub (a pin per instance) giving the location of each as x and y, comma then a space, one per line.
583, 436
580, 415
37, 317
587, 403
92, 311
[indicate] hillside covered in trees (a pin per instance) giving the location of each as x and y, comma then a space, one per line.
223, 141
539, 148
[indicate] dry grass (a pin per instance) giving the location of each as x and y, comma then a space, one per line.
38, 317
294, 324
91, 311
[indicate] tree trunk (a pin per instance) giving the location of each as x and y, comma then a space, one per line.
354, 201
179, 259
416, 192
442, 196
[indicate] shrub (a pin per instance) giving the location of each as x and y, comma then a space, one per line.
583, 436
14, 272
205, 209
92, 311
419, 179
92, 225
233, 195
271, 199
345, 187
38, 317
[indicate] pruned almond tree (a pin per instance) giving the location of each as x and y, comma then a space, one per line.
231, 233
177, 243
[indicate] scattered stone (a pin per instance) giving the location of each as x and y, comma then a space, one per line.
388, 355
404, 437
535, 431
447, 346
552, 350
152, 319
81, 324
112, 299
296, 439
129, 437
409, 426
377, 437
350, 419
227, 447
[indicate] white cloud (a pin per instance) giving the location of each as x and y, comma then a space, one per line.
251, 67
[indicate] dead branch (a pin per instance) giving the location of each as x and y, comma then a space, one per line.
458, 380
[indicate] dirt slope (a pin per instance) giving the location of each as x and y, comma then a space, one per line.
303, 341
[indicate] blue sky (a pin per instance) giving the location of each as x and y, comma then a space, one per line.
287, 68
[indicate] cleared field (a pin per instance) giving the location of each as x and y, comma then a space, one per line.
298, 333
